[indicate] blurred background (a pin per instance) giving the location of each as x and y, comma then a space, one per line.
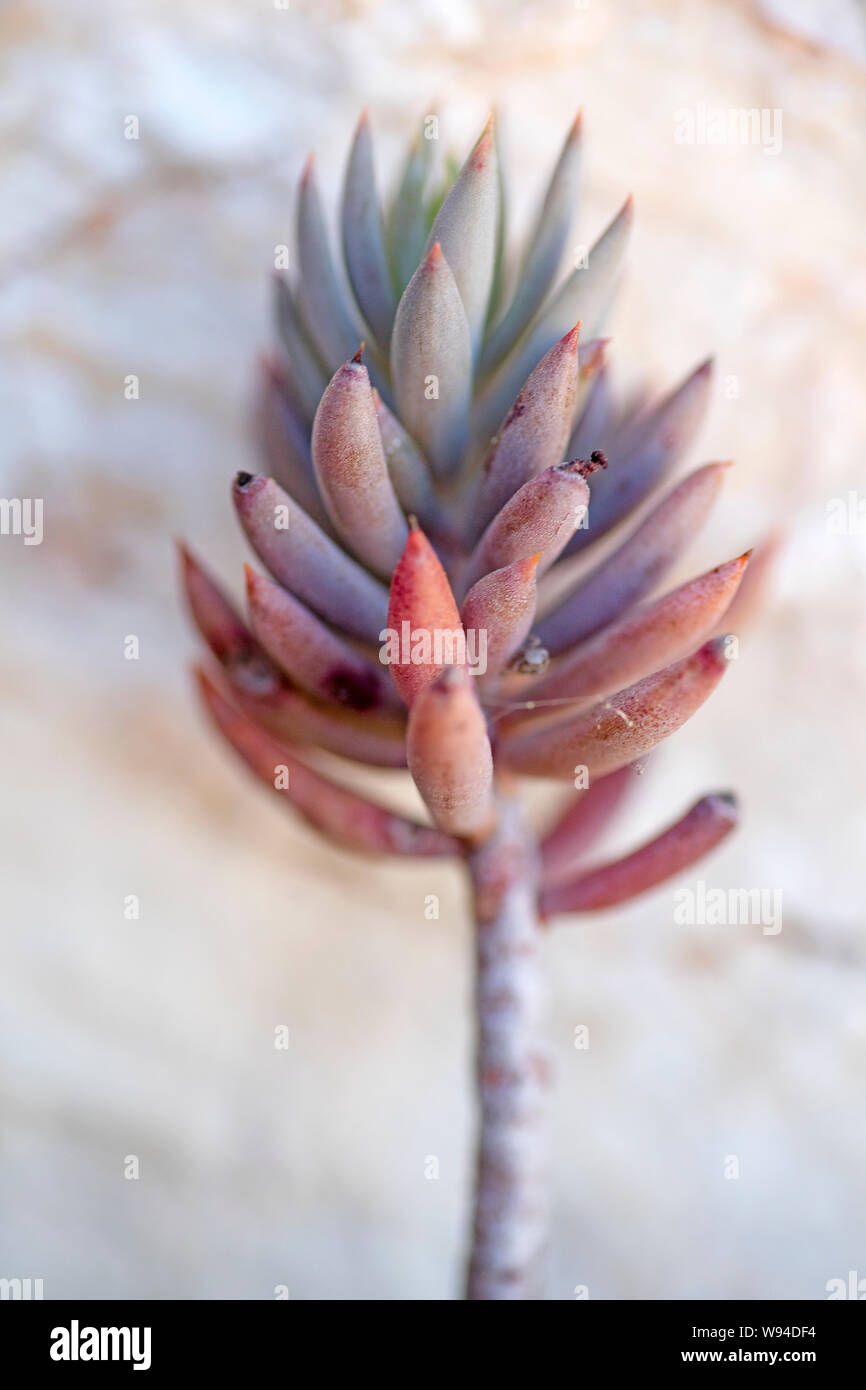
152, 1038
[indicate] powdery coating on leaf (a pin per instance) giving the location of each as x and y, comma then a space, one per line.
407, 466
340, 814
352, 473
679, 847
449, 755
306, 561
623, 728
637, 565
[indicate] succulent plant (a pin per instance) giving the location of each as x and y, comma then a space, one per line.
422, 515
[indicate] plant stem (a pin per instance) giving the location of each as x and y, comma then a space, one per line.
510, 1223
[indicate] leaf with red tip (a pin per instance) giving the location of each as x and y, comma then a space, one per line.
535, 431
320, 295
431, 363
465, 228
340, 814
646, 453
302, 368
306, 561
749, 598
352, 472
633, 570
214, 615
539, 519
679, 847
449, 755
364, 238
583, 822
421, 608
544, 251
502, 606
315, 658
623, 728
644, 639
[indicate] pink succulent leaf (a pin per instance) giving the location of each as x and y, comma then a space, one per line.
679, 847
310, 654
502, 607
751, 596
644, 639
583, 822
632, 570
539, 519
624, 727
595, 422
534, 433
449, 755
352, 473
306, 561
342, 815
421, 605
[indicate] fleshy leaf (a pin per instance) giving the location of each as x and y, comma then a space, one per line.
340, 814
320, 294
582, 823
502, 607
306, 561
311, 655
623, 728
364, 238
544, 251
679, 847
535, 431
633, 570
303, 371
449, 755
431, 363
407, 223
465, 228
352, 472
420, 610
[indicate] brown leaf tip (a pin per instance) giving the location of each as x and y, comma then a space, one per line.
360, 353
244, 479
586, 467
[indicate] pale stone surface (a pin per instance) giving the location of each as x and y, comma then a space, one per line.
155, 1038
